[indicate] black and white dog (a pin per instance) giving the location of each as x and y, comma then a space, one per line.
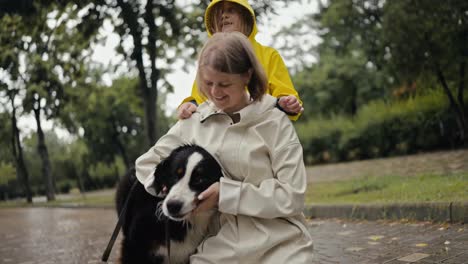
188, 171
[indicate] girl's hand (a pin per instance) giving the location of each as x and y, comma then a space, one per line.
290, 104
185, 110
208, 199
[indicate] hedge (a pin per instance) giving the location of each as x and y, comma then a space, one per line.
381, 129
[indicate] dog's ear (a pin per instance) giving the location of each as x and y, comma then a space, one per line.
161, 178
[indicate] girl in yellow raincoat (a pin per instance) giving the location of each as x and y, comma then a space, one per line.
238, 15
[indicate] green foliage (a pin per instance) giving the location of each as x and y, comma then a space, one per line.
104, 175
5, 138
422, 34
69, 160
7, 172
64, 186
320, 138
338, 85
111, 120
379, 49
381, 129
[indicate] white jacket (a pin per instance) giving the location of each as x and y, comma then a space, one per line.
261, 197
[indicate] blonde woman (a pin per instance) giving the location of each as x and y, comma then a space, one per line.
261, 195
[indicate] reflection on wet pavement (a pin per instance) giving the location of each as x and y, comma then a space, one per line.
54, 235
62, 236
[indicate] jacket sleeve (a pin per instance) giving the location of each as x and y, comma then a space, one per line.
279, 81
145, 164
280, 196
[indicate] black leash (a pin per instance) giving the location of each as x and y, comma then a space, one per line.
108, 250
168, 241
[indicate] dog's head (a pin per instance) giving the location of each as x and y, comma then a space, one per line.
188, 171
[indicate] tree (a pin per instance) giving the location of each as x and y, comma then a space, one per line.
350, 69
389, 44
14, 177
430, 38
43, 57
111, 121
10, 63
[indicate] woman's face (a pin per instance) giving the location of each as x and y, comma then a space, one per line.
225, 90
231, 18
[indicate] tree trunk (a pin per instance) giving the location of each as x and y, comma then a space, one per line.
461, 86
150, 115
80, 182
353, 99
459, 113
153, 90
118, 144
44, 155
464, 59
83, 176
147, 92
21, 171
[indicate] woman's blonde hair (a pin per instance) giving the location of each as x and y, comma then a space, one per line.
232, 53
215, 16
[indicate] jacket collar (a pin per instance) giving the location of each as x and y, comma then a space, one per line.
249, 113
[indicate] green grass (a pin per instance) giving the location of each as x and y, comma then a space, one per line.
383, 189
90, 199
391, 189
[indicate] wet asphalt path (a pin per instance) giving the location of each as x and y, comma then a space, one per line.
63, 236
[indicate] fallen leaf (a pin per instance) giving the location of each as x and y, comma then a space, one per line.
375, 238
354, 249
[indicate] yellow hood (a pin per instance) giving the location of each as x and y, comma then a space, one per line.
243, 3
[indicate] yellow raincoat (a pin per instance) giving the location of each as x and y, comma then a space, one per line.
279, 82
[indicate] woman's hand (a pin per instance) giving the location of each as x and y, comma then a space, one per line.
185, 110
290, 104
208, 199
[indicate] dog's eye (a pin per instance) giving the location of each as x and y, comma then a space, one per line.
180, 172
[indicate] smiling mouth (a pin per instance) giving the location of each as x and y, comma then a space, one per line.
226, 24
220, 99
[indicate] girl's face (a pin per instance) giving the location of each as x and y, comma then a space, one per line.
227, 91
231, 17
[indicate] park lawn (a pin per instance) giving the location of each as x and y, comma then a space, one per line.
391, 189
91, 199
87, 200
377, 189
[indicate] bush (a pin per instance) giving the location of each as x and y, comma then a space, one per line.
64, 186
103, 175
381, 129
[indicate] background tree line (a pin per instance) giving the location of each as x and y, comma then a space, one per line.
47, 72
389, 79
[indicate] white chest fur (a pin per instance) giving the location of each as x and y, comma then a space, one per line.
181, 251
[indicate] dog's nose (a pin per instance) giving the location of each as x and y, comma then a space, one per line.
174, 207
